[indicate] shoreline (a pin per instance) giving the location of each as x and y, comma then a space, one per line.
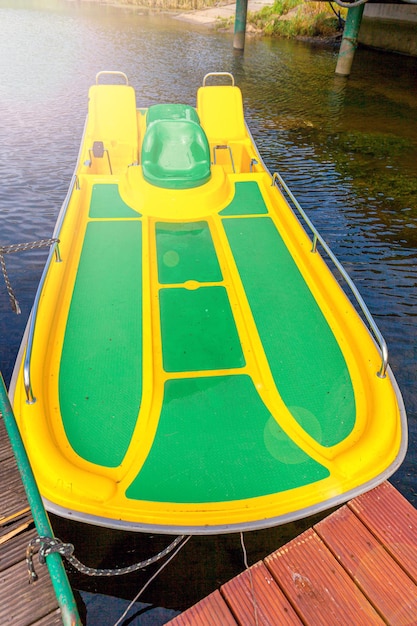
220, 17
212, 16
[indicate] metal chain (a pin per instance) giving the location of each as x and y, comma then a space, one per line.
48, 545
19, 247
13, 300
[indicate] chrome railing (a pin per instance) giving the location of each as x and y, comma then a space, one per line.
53, 252
217, 75
111, 73
277, 180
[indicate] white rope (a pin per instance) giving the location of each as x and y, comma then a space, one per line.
154, 575
245, 561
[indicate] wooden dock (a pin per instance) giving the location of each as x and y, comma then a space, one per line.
357, 566
21, 603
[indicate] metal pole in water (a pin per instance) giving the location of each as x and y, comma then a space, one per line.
349, 40
240, 24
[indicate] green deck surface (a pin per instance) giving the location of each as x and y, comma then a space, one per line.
198, 330
100, 383
107, 203
305, 360
217, 442
246, 201
186, 252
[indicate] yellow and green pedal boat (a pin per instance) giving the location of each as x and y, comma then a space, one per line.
191, 364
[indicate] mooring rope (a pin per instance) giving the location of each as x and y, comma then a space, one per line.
252, 588
154, 575
48, 545
19, 247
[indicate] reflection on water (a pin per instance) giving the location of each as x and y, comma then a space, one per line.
347, 148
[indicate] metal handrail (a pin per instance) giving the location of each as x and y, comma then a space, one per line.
224, 147
54, 251
228, 74
111, 73
318, 238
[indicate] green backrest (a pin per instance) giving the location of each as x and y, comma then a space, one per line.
171, 112
175, 154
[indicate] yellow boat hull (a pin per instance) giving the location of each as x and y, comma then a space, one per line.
191, 363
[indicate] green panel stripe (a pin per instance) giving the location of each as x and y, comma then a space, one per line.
217, 442
186, 252
247, 200
100, 382
306, 362
107, 203
198, 330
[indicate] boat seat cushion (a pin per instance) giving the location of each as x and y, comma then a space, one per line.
175, 154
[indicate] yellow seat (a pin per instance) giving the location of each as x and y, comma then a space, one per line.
220, 109
112, 121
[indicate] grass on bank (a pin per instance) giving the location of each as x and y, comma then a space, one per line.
297, 18
283, 18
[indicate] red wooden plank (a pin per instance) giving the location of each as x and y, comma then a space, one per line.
384, 583
393, 520
211, 611
256, 600
316, 584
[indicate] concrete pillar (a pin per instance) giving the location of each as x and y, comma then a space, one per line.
349, 40
240, 24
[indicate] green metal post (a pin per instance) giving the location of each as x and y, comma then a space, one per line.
349, 40
240, 24
60, 583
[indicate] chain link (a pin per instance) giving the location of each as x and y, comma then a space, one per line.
19, 247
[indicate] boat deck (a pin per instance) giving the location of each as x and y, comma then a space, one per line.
220, 322
21, 604
192, 365
357, 566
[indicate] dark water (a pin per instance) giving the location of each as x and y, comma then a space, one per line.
348, 150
